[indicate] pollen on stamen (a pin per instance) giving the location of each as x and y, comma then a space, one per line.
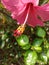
19, 30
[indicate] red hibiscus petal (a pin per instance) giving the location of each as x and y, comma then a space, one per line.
33, 19
34, 2
43, 12
20, 18
13, 5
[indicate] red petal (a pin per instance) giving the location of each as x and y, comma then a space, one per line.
34, 2
33, 19
43, 12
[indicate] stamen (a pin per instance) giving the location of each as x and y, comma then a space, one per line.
26, 16
21, 28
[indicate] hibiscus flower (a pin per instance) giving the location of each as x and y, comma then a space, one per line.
27, 11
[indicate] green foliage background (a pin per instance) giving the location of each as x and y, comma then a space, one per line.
10, 52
